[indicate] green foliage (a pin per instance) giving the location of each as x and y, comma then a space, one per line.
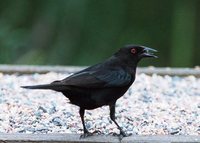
83, 32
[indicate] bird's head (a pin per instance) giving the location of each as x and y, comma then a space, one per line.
134, 53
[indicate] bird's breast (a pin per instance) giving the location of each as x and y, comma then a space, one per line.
94, 98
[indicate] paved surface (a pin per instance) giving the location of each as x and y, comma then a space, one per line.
74, 138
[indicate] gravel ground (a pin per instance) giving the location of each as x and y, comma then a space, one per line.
153, 105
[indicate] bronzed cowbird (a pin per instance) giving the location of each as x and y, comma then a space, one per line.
103, 83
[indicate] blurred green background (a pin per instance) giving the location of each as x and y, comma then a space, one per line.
84, 32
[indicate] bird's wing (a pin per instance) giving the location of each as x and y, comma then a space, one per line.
98, 79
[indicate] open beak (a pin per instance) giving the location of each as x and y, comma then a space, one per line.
148, 52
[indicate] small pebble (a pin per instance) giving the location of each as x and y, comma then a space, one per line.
57, 121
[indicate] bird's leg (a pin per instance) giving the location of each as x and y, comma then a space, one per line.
112, 116
86, 132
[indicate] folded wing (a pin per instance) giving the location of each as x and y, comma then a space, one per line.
98, 79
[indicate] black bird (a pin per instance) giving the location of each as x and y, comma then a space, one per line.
103, 83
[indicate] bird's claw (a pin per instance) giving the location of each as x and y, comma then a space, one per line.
97, 132
87, 134
121, 135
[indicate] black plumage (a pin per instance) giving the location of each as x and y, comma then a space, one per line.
103, 83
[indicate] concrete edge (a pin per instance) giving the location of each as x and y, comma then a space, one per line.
74, 138
27, 69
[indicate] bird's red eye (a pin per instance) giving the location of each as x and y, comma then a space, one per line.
133, 51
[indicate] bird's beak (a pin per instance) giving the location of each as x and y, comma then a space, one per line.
148, 52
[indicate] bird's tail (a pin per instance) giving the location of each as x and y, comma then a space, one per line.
46, 86
43, 86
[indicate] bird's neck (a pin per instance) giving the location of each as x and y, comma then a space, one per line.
130, 66
132, 70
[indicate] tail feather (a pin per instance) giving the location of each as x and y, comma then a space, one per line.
46, 86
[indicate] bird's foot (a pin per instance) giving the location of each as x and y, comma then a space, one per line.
121, 135
97, 132
87, 134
